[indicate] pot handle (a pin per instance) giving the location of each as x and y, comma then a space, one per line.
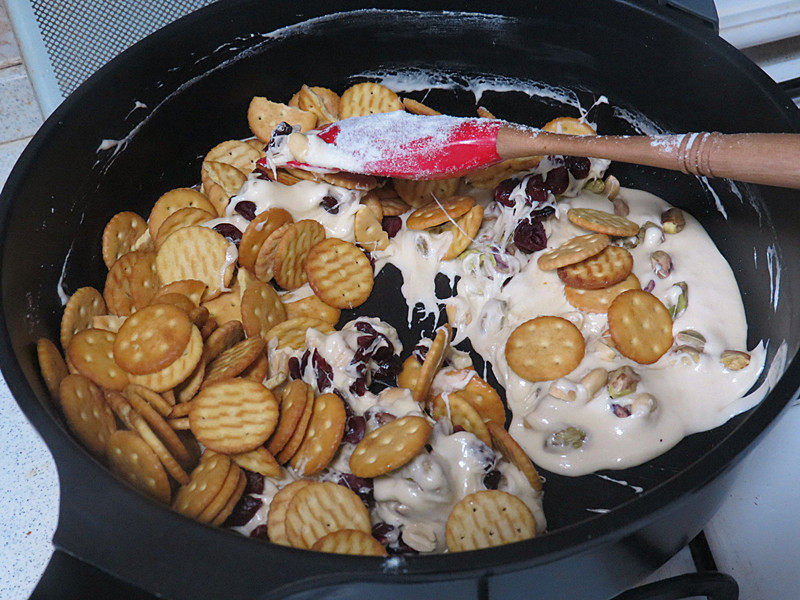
713, 585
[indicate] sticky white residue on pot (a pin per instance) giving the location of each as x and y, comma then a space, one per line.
62, 293
636, 489
774, 268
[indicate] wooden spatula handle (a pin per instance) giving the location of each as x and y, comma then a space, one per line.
766, 158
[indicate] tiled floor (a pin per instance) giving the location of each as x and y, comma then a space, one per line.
20, 115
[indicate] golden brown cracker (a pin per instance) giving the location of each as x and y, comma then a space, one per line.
513, 453
320, 508
602, 270
131, 459
191, 288
432, 363
349, 541
176, 372
264, 116
152, 339
82, 306
368, 230
263, 267
323, 436
367, 99
640, 326
173, 201
87, 414
418, 108
220, 182
292, 333
339, 273
262, 309
233, 361
598, 301
573, 251
258, 460
205, 482
236, 153
276, 519
234, 415
51, 365
439, 211
226, 336
390, 446
294, 399
418, 193
131, 283
461, 413
91, 352
290, 254
184, 217
464, 231
312, 306
602, 222
544, 348
258, 231
120, 234
488, 518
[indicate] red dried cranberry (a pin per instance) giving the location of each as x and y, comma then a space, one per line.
363, 487
492, 479
557, 180
330, 204
401, 547
294, 368
383, 532
246, 208
543, 213
323, 372
366, 327
392, 225
420, 352
382, 418
535, 192
502, 192
359, 387
229, 232
650, 286
243, 511
260, 533
255, 482
263, 173
578, 166
458, 428
304, 361
354, 429
388, 368
529, 236
621, 411
369, 256
283, 128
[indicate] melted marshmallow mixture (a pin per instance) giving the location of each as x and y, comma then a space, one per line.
498, 288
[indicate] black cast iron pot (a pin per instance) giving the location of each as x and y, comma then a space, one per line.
197, 77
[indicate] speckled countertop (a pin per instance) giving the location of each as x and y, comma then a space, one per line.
755, 536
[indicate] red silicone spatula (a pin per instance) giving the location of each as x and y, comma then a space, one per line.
400, 144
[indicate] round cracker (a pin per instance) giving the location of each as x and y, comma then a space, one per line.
276, 518
257, 233
292, 333
220, 182
602, 270
390, 446
91, 352
177, 300
461, 414
393, 207
204, 484
196, 252
432, 363
598, 301
85, 304
464, 231
350, 541
173, 201
263, 267
131, 459
299, 434
131, 283
258, 461
160, 427
264, 116
640, 326
368, 230
368, 98
191, 288
320, 508
152, 339
339, 273
289, 261
225, 336
262, 309
409, 374
87, 414
323, 436
312, 306
234, 360
294, 398
602, 222
485, 399
120, 234
157, 401
419, 192
227, 306
513, 453
488, 518
569, 126
233, 416
228, 489
176, 372
110, 323
232, 501
236, 153
51, 365
258, 369
573, 251
438, 212
185, 217
544, 348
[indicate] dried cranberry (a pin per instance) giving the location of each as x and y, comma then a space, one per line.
578, 166
304, 361
294, 368
543, 213
621, 411
492, 479
255, 483
529, 236
262, 174
283, 128
246, 208
502, 191
363, 487
330, 204
650, 286
323, 372
383, 532
557, 180
260, 532
383, 417
354, 429
370, 258
243, 511
229, 232
359, 387
401, 547
388, 368
420, 352
535, 192
366, 327
392, 225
